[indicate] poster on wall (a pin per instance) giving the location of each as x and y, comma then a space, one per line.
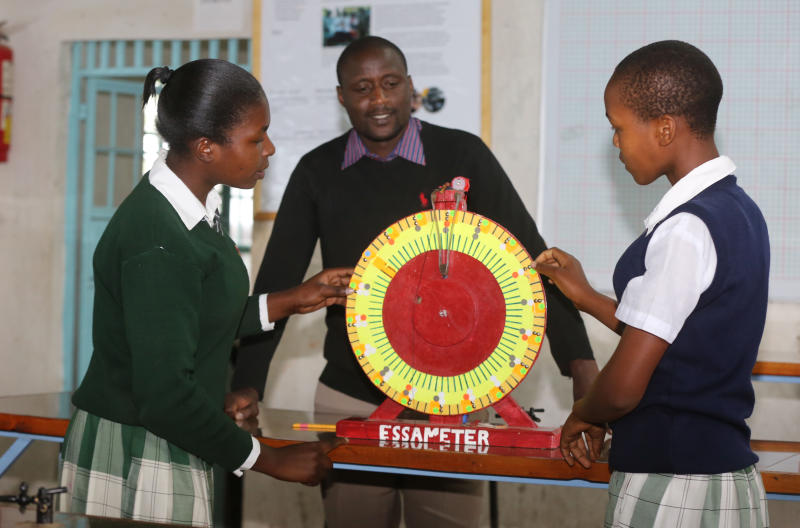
297, 45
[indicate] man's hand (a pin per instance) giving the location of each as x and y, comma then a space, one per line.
242, 405
573, 447
306, 462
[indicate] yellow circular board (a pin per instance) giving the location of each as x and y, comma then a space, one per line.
519, 340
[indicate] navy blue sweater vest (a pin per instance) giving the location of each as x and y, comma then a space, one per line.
692, 416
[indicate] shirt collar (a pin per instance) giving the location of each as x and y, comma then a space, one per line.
409, 147
698, 179
185, 203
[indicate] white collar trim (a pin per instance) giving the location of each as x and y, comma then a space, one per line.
698, 179
185, 203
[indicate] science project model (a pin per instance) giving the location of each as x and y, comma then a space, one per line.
446, 318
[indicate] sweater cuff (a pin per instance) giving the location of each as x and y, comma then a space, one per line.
251, 459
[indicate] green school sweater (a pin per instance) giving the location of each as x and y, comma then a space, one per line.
168, 304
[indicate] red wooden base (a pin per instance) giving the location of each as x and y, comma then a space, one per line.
384, 426
419, 434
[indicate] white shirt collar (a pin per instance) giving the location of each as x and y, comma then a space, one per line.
688, 187
186, 204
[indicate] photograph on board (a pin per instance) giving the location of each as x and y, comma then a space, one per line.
343, 25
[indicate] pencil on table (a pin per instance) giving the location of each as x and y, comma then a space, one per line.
314, 427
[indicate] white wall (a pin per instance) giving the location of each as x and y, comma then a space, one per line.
33, 180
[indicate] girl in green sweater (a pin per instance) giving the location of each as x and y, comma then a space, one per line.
171, 296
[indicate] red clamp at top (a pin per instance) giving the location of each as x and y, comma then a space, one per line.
452, 195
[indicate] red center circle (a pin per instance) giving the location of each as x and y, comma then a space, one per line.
443, 326
445, 313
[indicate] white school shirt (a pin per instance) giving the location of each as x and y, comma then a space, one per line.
680, 260
192, 211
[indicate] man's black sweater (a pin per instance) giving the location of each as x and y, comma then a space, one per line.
346, 209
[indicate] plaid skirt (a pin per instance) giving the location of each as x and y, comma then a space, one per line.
125, 471
729, 500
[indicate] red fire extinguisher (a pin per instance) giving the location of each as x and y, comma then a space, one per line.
6, 62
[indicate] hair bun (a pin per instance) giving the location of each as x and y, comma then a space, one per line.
163, 74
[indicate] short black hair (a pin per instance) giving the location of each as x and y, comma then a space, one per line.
369, 42
202, 98
671, 77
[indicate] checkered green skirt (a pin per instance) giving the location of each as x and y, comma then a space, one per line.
729, 500
116, 470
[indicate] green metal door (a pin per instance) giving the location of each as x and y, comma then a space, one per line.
112, 165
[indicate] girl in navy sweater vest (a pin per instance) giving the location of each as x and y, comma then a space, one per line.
691, 304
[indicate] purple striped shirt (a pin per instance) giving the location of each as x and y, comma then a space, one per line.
409, 147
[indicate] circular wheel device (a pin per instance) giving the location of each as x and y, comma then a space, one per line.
447, 314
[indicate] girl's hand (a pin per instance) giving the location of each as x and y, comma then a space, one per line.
566, 272
307, 462
329, 286
573, 447
242, 405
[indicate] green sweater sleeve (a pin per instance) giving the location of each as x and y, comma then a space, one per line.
160, 298
251, 319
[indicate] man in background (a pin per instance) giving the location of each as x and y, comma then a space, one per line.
343, 193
